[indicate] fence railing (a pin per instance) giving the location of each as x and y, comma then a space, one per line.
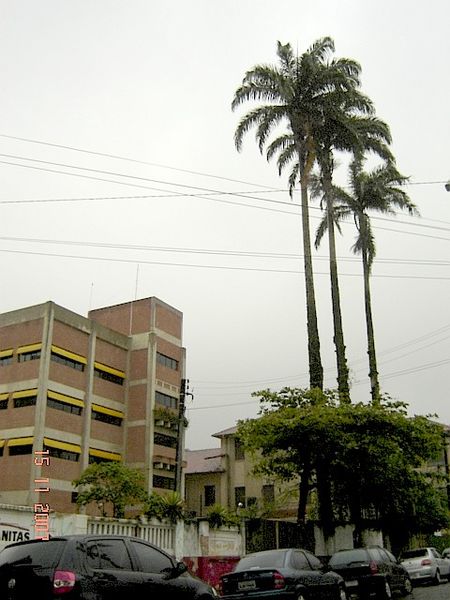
159, 534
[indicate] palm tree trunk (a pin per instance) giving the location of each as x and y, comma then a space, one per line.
338, 338
373, 373
315, 361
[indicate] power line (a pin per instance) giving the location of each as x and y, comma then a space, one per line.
218, 267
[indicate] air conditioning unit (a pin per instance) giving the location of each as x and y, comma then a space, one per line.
158, 465
160, 423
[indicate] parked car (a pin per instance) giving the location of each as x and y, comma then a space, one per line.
371, 571
426, 565
95, 567
285, 574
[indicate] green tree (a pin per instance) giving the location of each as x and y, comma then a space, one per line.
162, 507
110, 483
362, 461
376, 191
295, 94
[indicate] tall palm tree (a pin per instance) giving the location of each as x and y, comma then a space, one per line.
295, 93
379, 191
344, 130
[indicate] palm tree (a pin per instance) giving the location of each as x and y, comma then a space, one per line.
344, 130
375, 191
296, 93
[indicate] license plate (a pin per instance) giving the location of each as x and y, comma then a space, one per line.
247, 585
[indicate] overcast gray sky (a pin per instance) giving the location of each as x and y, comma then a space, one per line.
152, 82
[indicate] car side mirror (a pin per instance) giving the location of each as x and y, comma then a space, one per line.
176, 571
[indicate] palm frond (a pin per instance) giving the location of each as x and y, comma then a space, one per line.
279, 144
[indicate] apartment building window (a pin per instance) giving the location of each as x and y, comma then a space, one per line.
109, 373
167, 361
21, 445
166, 483
239, 453
6, 357
107, 418
63, 454
25, 398
68, 408
3, 403
268, 493
166, 400
67, 358
74, 497
239, 496
210, 495
165, 440
26, 356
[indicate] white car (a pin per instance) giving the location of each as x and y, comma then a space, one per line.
425, 565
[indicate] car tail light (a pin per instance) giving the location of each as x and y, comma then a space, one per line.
63, 582
373, 567
278, 581
426, 561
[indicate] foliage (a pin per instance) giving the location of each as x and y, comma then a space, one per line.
219, 516
170, 507
110, 483
165, 414
362, 461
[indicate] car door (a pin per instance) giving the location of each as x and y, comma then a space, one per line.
397, 571
444, 565
158, 570
110, 568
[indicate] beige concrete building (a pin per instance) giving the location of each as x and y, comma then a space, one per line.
80, 390
224, 476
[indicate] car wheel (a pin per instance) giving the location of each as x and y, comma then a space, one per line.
407, 587
437, 578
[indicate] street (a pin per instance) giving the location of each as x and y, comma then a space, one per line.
428, 592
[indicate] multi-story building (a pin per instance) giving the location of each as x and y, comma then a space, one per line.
82, 390
225, 476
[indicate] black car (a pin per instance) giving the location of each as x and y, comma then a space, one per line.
371, 572
289, 574
95, 567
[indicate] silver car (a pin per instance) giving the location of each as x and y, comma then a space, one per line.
425, 565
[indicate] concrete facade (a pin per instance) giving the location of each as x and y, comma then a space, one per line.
224, 476
82, 390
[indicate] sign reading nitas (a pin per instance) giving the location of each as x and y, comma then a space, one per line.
11, 532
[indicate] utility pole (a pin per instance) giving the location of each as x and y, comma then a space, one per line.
180, 437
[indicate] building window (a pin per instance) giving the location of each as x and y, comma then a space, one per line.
20, 450
4, 404
165, 440
112, 377
239, 453
210, 495
5, 360
68, 362
25, 401
166, 483
166, 400
63, 454
26, 356
268, 493
239, 496
104, 418
68, 408
1, 451
73, 497
166, 361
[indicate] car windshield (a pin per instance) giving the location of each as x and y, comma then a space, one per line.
415, 553
347, 557
262, 559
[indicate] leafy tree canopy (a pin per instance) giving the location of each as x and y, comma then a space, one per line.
364, 461
110, 483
